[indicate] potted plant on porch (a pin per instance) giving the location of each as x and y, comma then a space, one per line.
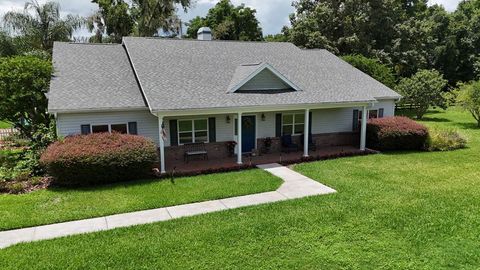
267, 144
231, 147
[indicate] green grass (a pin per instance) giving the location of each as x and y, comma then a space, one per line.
57, 205
405, 210
5, 124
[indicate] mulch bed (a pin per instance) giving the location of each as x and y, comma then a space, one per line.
33, 184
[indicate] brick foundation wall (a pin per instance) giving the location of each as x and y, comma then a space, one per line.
219, 150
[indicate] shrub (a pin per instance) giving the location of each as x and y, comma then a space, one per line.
99, 158
396, 133
445, 140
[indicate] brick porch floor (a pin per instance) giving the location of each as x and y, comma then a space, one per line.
231, 162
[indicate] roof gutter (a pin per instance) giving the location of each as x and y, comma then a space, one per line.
94, 110
262, 108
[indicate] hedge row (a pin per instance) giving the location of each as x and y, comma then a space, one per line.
99, 158
396, 133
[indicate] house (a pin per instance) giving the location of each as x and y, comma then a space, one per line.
178, 91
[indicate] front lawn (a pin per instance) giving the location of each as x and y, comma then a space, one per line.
60, 204
5, 124
410, 210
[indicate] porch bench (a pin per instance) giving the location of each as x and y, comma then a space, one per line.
194, 149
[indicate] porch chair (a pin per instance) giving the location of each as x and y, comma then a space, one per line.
311, 145
288, 145
194, 149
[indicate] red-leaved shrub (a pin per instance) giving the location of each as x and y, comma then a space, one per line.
99, 158
396, 133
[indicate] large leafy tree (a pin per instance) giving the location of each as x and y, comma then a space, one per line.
24, 81
228, 22
372, 67
41, 25
349, 26
152, 15
113, 18
424, 89
466, 31
7, 46
468, 97
407, 35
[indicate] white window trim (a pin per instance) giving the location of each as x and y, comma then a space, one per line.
193, 130
109, 126
293, 123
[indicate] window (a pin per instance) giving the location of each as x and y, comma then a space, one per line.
371, 114
100, 129
293, 124
192, 131
120, 128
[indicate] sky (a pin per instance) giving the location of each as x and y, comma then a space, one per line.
272, 14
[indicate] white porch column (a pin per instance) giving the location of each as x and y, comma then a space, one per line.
162, 144
363, 130
306, 134
239, 138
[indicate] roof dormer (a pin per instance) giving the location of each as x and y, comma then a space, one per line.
258, 77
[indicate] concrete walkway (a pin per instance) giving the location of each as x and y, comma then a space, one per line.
295, 186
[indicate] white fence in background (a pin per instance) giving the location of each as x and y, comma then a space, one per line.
7, 132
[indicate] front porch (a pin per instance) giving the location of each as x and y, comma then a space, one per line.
213, 164
327, 131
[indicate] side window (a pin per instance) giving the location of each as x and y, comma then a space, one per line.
120, 128
100, 128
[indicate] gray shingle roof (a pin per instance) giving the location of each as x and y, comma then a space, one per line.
92, 77
190, 74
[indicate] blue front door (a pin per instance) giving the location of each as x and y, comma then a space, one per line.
248, 133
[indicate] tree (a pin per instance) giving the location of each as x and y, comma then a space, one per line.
152, 15
422, 90
112, 18
468, 97
465, 29
41, 25
373, 68
24, 81
228, 23
7, 47
348, 26
276, 38
406, 35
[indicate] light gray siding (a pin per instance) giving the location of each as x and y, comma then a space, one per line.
70, 123
265, 80
388, 107
323, 121
332, 120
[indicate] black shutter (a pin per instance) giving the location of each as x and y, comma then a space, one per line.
380, 113
278, 125
212, 132
85, 129
309, 123
132, 128
355, 120
173, 132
